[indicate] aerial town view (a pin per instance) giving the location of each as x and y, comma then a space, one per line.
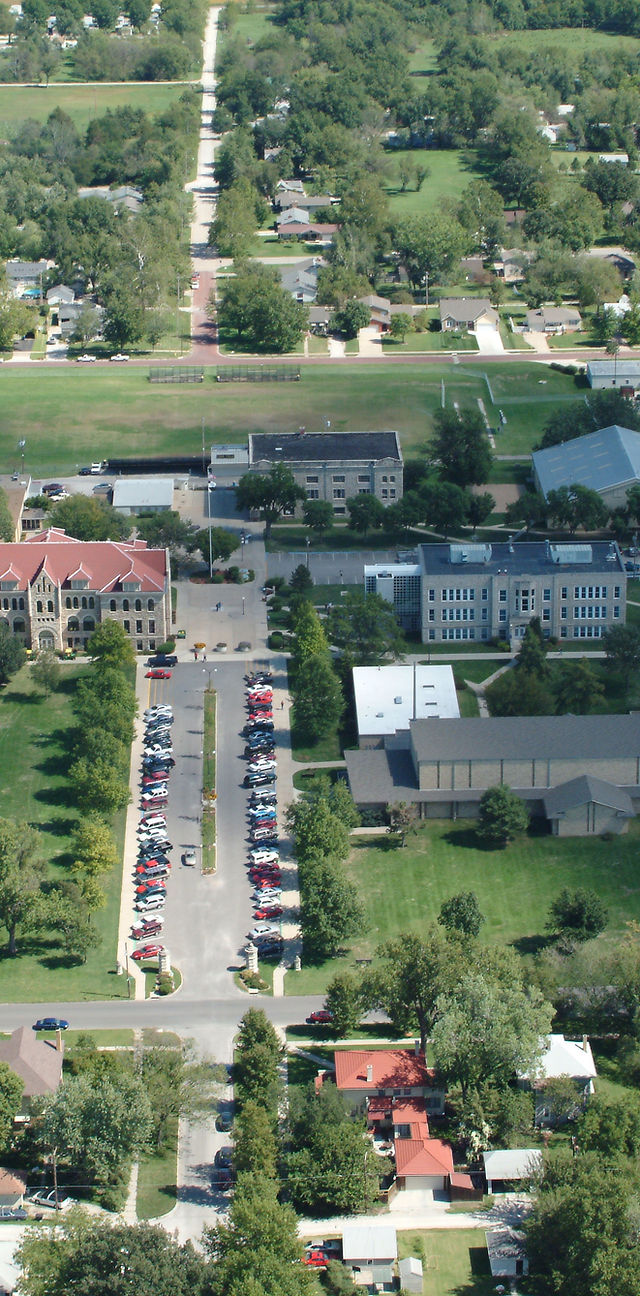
320, 648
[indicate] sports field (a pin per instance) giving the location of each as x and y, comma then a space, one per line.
81, 102
72, 415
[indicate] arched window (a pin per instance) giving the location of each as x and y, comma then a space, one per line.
92, 601
84, 603
18, 626
76, 603
5, 604
38, 605
67, 602
138, 605
74, 624
45, 640
49, 605
88, 625
21, 604
150, 605
14, 605
112, 605
125, 605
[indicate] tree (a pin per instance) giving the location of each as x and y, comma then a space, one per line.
167, 530
365, 628
255, 1148
351, 317
519, 693
177, 1084
318, 833
21, 874
215, 541
487, 1031
87, 518
403, 819
328, 1169
365, 513
11, 1090
501, 816
256, 1250
598, 409
12, 654
256, 1070
7, 528
430, 245
622, 648
561, 1100
577, 915
233, 229
532, 657
270, 494
344, 1001
111, 646
318, 701
97, 1124
611, 1126
97, 786
342, 804
87, 326
460, 446
443, 506
91, 1255
580, 1236
401, 324
15, 319
124, 319
105, 698
576, 506
301, 581
479, 508
309, 638
330, 911
254, 305
45, 671
411, 975
577, 688
462, 914
318, 516
94, 847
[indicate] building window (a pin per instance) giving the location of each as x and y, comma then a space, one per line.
367, 492
49, 605
616, 591
546, 595
125, 605
564, 592
138, 605
92, 601
485, 614
126, 626
340, 509
392, 477
338, 477
432, 614
84, 604
67, 602
312, 479
364, 477
151, 607
138, 627
139, 645
38, 605
563, 614
392, 492
485, 595
432, 596
14, 605
432, 635
152, 627
546, 614
616, 612
21, 604
339, 494
563, 632
503, 596
76, 603
502, 614
112, 605
313, 494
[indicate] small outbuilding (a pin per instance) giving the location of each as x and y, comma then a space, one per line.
410, 1275
370, 1253
133, 495
586, 806
506, 1166
507, 1255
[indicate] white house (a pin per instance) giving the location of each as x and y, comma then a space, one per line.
561, 1057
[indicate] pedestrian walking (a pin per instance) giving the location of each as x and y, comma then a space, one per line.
282, 705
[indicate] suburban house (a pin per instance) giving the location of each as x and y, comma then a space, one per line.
506, 1166
607, 461
38, 1063
507, 1254
134, 495
553, 319
464, 314
387, 698
444, 766
304, 202
334, 466
68, 313
24, 278
587, 806
366, 1075
55, 590
12, 1187
382, 310
562, 1057
301, 280
370, 1252
296, 223
510, 264
121, 196
619, 372
60, 295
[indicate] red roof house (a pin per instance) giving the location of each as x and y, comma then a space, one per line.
386, 1073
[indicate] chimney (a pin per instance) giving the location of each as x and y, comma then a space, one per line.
416, 1048
369, 1073
585, 1043
59, 1044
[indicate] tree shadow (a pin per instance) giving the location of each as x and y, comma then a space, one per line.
467, 839
61, 796
22, 697
60, 827
531, 944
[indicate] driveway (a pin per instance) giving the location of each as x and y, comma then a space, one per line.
489, 340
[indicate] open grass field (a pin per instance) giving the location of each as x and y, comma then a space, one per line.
581, 40
34, 755
81, 102
71, 415
403, 888
450, 171
454, 1261
415, 342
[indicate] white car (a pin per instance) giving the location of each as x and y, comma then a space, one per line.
119, 357
264, 929
262, 856
86, 359
146, 903
266, 896
152, 821
262, 766
158, 749
49, 1197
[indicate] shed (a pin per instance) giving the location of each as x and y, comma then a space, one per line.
370, 1252
507, 1255
410, 1274
133, 495
586, 805
12, 1187
510, 1165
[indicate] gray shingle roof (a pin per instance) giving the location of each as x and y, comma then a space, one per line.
320, 447
468, 309
600, 460
536, 737
579, 791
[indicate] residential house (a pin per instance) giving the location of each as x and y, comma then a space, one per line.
506, 1166
587, 806
334, 466
301, 279
370, 1252
125, 196
38, 1063
619, 372
561, 1058
24, 278
60, 295
289, 186
12, 1187
553, 319
382, 310
295, 223
303, 201
69, 312
464, 314
55, 590
363, 1075
507, 1253
134, 495
606, 461
511, 263
321, 319
17, 490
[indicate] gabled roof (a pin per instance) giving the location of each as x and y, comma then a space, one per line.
467, 309
584, 789
38, 1063
507, 737
11, 1182
564, 1057
423, 1156
390, 1069
512, 1163
105, 563
600, 460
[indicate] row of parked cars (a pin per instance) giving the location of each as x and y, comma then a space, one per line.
264, 855
153, 864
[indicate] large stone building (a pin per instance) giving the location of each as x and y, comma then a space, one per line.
479, 592
55, 591
334, 466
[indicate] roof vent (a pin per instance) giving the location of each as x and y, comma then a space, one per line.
369, 1073
398, 701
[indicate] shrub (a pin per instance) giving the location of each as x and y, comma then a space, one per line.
276, 640
167, 647
233, 575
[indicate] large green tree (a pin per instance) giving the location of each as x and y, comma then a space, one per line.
318, 700
269, 494
460, 446
253, 304
328, 1168
22, 872
87, 518
110, 645
98, 1257
167, 530
365, 628
501, 816
411, 974
97, 1124
256, 1249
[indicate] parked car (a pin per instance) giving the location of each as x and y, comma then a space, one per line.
158, 673
266, 912
271, 949
253, 724
149, 902
50, 1024
163, 659
15, 1214
224, 1122
147, 927
259, 780
57, 1198
262, 766
263, 796
86, 359
147, 872
147, 952
322, 1017
151, 821
267, 893
155, 886
224, 1157
260, 856
265, 835
160, 709
119, 357
189, 858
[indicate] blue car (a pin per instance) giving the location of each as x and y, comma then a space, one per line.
51, 1024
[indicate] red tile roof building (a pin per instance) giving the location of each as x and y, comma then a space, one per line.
55, 590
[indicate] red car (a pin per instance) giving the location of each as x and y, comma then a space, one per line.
260, 699
150, 867
265, 870
153, 884
320, 1018
268, 911
148, 927
147, 952
158, 673
317, 1259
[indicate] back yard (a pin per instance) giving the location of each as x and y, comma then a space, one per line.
454, 1261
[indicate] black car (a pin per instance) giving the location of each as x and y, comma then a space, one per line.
163, 659
258, 726
259, 780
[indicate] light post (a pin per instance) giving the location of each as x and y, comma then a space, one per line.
426, 289
307, 542
209, 671
243, 604
21, 446
340, 576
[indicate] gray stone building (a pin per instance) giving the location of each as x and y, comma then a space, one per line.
483, 591
55, 591
334, 466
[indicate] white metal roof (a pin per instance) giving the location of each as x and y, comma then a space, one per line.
389, 697
143, 492
365, 1242
566, 1057
511, 1163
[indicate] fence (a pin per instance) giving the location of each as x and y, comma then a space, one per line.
176, 374
258, 373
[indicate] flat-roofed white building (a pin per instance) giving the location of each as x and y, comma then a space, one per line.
143, 494
389, 697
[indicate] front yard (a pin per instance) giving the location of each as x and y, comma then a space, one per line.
454, 1261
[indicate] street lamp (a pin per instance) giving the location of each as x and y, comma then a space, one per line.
21, 447
307, 542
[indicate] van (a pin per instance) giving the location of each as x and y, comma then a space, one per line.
97, 468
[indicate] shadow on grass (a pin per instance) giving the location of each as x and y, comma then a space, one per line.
467, 839
24, 698
62, 796
58, 828
531, 944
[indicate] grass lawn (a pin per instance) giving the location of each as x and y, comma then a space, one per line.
103, 1039
403, 888
429, 341
581, 40
450, 171
454, 1261
424, 58
72, 415
81, 102
34, 756
157, 1177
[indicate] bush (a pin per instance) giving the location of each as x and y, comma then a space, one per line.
217, 578
233, 575
276, 641
164, 984
459, 682
167, 647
